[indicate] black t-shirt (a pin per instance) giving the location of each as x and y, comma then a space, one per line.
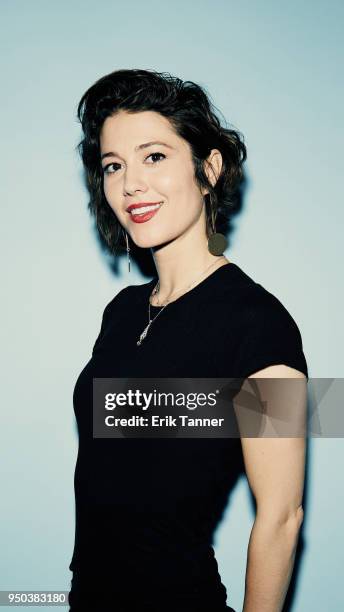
146, 508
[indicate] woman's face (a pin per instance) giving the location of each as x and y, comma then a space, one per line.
136, 172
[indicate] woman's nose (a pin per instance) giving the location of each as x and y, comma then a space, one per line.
134, 181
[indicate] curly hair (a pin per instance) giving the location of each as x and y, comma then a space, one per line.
192, 116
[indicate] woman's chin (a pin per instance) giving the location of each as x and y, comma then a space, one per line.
145, 241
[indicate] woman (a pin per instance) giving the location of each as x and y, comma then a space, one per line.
162, 173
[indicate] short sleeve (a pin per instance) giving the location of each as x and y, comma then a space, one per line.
268, 335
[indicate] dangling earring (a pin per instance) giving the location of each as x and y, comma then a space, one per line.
217, 243
128, 250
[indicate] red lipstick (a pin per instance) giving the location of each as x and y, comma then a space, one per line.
146, 215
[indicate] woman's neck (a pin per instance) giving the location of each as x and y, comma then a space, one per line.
182, 265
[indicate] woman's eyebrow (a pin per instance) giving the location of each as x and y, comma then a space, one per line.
141, 146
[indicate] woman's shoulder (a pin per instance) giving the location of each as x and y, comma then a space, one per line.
252, 299
127, 295
268, 332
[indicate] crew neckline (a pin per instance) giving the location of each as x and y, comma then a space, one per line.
189, 293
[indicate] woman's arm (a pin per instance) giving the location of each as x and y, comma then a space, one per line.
275, 471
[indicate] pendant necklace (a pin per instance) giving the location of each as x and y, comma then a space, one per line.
155, 290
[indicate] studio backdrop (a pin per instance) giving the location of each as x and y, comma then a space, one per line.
274, 72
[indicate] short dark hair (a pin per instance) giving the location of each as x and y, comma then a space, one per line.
192, 116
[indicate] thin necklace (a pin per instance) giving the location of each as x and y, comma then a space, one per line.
155, 290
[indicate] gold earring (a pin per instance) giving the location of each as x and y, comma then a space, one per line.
217, 242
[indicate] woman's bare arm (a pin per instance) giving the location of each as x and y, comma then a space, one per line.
275, 469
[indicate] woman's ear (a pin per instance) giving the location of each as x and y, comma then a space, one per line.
213, 166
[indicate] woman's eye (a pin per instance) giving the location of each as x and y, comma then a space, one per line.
153, 154
107, 170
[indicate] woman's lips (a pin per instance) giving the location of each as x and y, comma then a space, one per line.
143, 217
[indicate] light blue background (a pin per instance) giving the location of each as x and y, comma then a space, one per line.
273, 69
